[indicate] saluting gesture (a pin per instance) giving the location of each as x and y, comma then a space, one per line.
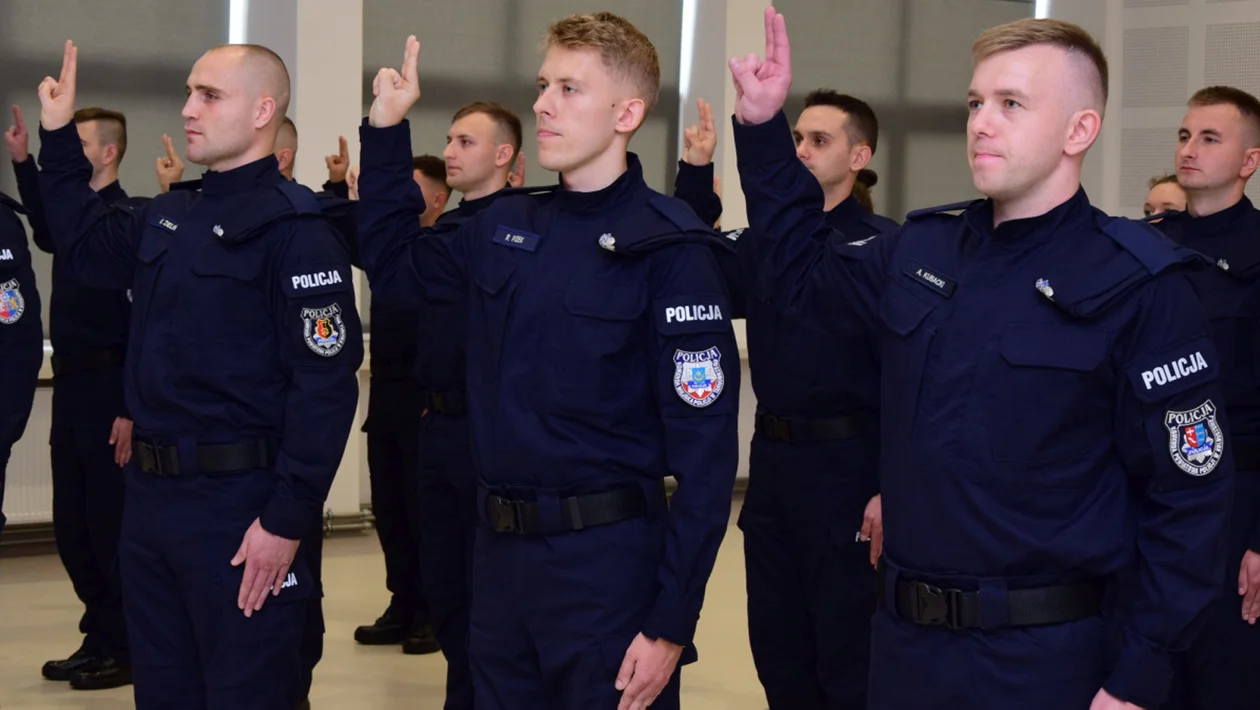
761, 86
56, 96
170, 169
700, 139
396, 92
339, 164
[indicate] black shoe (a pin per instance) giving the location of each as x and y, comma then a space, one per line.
65, 669
421, 641
387, 630
104, 675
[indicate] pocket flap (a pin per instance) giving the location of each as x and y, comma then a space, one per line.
903, 311
150, 249
492, 274
606, 301
1055, 346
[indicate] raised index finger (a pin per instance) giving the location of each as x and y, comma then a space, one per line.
411, 58
170, 148
69, 66
706, 117
17, 119
782, 50
345, 149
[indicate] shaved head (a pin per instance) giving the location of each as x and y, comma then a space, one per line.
288, 137
265, 72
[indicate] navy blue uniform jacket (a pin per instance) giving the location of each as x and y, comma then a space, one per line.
600, 352
1051, 397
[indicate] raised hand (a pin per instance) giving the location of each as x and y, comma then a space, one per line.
700, 140
761, 85
516, 178
16, 139
56, 96
396, 92
170, 169
339, 164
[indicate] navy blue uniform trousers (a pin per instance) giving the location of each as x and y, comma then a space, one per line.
392, 449
810, 583
88, 501
1221, 671
193, 649
447, 502
536, 601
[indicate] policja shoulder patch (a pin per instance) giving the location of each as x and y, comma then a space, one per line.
1195, 440
323, 330
698, 376
12, 305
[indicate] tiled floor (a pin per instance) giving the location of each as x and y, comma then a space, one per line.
39, 613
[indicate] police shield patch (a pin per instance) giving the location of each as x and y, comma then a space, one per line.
1195, 440
323, 329
12, 305
698, 376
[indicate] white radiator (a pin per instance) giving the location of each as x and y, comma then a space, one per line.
28, 485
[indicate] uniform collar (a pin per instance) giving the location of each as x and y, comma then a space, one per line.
631, 179
1217, 222
1034, 229
265, 171
846, 213
469, 207
112, 192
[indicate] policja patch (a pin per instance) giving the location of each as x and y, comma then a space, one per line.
698, 376
12, 305
324, 330
1195, 440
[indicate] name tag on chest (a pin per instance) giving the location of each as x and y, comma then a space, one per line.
930, 279
516, 239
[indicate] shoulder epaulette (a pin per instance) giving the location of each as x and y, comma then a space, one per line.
954, 207
1149, 246
302, 198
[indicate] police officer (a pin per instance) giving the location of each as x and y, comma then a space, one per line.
812, 479
240, 374
600, 360
91, 436
21, 333
1051, 410
1218, 151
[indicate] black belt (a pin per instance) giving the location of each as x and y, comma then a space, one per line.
86, 360
450, 403
929, 605
577, 512
211, 458
1246, 456
797, 430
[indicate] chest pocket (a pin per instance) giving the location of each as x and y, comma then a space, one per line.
599, 340
1046, 363
228, 294
904, 346
150, 257
489, 309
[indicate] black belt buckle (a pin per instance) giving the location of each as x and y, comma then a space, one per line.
777, 429
153, 461
934, 606
505, 515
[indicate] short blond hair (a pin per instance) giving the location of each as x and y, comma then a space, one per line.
1030, 32
626, 51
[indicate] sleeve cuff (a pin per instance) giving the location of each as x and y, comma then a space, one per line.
1142, 676
670, 622
61, 144
1254, 543
385, 146
287, 518
341, 189
766, 142
694, 185
26, 170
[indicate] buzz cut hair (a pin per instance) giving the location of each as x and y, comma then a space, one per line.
505, 120
266, 67
1246, 104
1073, 39
625, 50
112, 129
433, 168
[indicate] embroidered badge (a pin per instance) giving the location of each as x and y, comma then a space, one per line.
1195, 440
1043, 285
861, 242
12, 305
324, 330
698, 376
